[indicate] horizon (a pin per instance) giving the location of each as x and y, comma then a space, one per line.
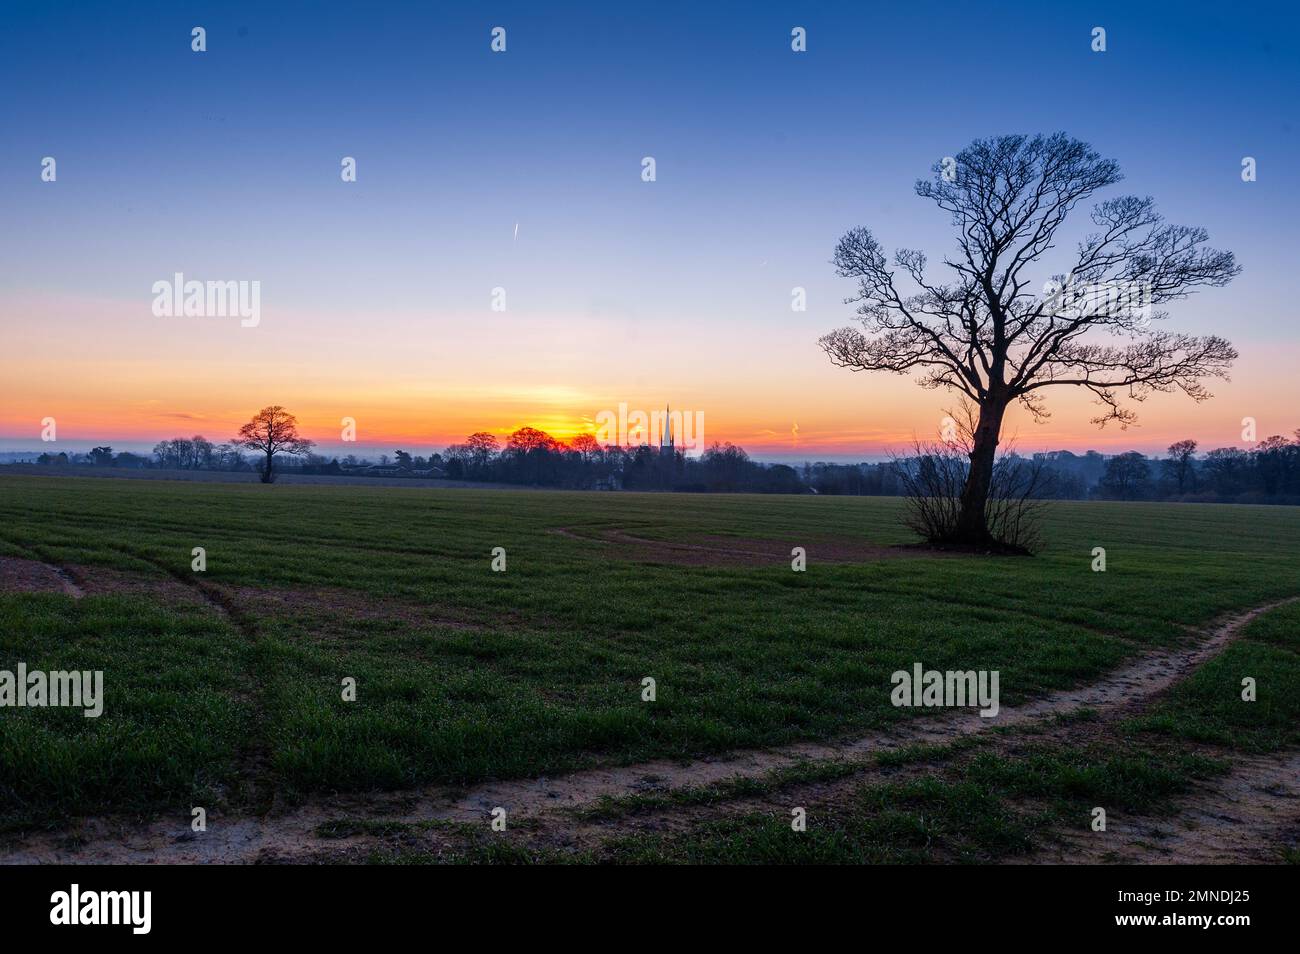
376, 295
340, 451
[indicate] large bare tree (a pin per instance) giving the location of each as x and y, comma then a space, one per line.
272, 430
993, 330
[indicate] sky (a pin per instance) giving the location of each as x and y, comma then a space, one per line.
522, 170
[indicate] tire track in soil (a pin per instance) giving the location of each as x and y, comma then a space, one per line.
237, 839
66, 581
254, 756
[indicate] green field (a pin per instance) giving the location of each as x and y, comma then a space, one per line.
223, 688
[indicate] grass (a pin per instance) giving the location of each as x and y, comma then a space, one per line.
464, 674
1208, 707
801, 773
173, 723
990, 809
997, 806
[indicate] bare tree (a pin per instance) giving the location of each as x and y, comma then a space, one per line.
986, 334
587, 446
482, 447
1180, 467
528, 439
272, 430
1126, 477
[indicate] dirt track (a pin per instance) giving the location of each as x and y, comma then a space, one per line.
1233, 820
293, 833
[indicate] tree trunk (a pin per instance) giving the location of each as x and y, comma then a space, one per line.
268, 475
972, 526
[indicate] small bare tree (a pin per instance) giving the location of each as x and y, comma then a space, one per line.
1181, 465
986, 334
273, 430
935, 475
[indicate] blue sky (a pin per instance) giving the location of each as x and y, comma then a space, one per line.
227, 164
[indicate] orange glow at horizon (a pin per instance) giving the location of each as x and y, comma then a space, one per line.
421, 386
381, 423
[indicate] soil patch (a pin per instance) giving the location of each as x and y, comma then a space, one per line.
32, 576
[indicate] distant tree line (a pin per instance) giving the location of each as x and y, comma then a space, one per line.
530, 456
198, 453
1267, 473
